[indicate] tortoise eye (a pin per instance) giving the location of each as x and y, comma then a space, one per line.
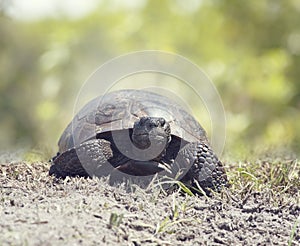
143, 120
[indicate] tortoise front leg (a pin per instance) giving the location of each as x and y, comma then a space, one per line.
205, 167
91, 158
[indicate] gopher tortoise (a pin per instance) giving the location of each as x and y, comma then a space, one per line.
138, 133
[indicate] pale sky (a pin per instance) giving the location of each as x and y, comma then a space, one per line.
37, 9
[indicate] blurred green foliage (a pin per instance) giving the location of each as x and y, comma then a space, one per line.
250, 49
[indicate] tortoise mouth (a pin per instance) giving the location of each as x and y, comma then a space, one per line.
143, 140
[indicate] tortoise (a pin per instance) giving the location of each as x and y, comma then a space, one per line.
138, 133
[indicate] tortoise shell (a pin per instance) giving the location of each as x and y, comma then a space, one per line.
118, 110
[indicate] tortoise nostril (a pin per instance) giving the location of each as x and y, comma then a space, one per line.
151, 122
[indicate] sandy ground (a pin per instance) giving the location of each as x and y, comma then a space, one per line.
36, 209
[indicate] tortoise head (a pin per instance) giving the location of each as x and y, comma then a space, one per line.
149, 131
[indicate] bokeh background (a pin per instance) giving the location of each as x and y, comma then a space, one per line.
250, 49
